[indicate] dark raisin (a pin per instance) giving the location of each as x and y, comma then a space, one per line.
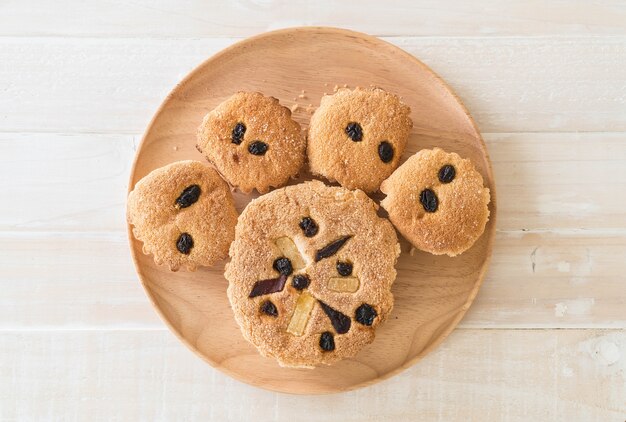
341, 322
309, 226
385, 152
429, 200
344, 268
365, 314
257, 148
184, 243
354, 131
189, 196
265, 287
269, 308
447, 173
331, 249
283, 266
300, 281
327, 342
238, 131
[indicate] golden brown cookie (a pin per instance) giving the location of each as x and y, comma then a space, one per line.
253, 142
184, 214
357, 137
437, 201
311, 272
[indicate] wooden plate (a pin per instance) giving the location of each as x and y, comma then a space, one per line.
432, 293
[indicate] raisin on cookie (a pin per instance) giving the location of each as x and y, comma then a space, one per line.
184, 214
253, 142
311, 272
437, 201
357, 137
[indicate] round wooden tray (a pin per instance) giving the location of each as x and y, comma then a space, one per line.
432, 293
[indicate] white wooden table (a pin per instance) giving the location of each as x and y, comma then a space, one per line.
546, 337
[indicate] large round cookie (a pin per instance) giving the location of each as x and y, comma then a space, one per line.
311, 272
252, 141
437, 201
184, 214
357, 137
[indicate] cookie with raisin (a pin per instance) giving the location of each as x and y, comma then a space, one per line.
311, 272
184, 214
253, 142
357, 137
437, 201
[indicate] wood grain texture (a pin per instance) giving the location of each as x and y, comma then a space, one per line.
543, 180
542, 279
427, 305
476, 375
555, 84
171, 18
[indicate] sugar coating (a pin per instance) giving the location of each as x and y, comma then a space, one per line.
462, 211
372, 249
265, 120
357, 165
158, 221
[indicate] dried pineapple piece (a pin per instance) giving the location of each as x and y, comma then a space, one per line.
343, 284
290, 250
301, 314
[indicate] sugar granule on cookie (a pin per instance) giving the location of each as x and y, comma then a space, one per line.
184, 214
356, 137
437, 201
253, 142
311, 273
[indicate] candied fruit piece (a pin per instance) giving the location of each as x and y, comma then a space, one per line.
331, 249
341, 322
343, 284
265, 287
301, 314
290, 250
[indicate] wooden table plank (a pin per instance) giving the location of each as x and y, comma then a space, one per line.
171, 18
78, 182
536, 280
509, 84
480, 375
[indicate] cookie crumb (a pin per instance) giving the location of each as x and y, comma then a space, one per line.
294, 107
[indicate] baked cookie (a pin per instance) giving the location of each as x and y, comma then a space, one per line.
437, 201
357, 137
311, 272
253, 142
184, 214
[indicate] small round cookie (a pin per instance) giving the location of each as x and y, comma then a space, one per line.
184, 214
357, 137
437, 201
253, 142
311, 272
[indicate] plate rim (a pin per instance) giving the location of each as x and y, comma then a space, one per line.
492, 208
